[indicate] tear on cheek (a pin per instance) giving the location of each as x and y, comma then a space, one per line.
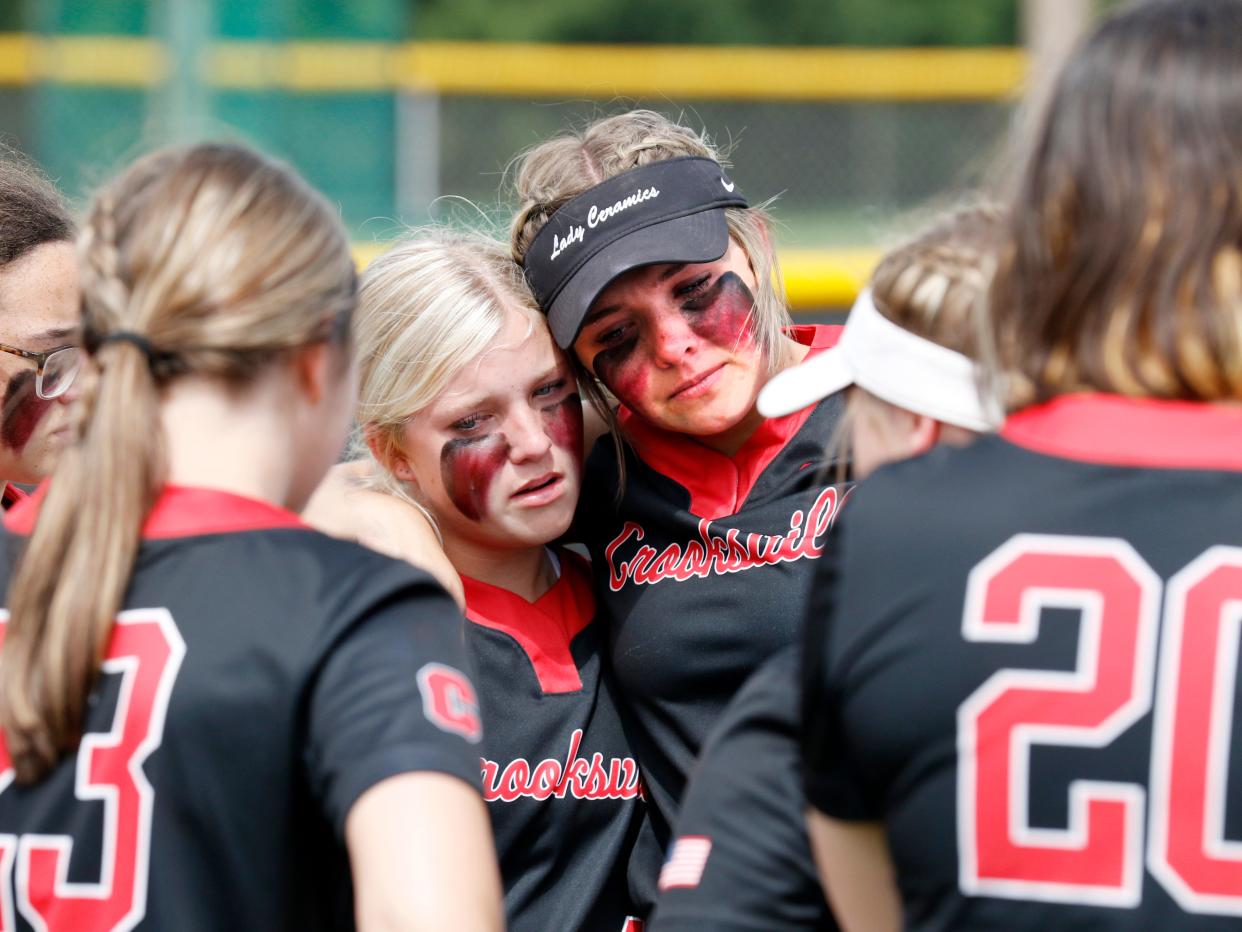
21, 411
564, 421
727, 316
624, 374
468, 468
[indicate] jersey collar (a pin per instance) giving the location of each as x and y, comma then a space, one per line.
1142, 432
12, 496
719, 485
180, 511
544, 628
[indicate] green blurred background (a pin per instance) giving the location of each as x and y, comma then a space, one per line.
392, 150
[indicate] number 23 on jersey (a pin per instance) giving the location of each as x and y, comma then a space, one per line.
1189, 688
146, 651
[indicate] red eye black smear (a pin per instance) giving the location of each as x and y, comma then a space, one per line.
565, 425
21, 411
722, 314
468, 467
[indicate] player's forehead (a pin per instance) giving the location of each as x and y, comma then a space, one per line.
521, 357
40, 297
640, 288
632, 286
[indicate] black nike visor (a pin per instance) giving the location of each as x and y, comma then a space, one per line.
669, 211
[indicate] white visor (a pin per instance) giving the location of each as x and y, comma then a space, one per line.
891, 363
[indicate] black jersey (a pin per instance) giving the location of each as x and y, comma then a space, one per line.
261, 677
702, 569
1025, 663
562, 786
741, 860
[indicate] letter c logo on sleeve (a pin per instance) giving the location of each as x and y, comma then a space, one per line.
449, 701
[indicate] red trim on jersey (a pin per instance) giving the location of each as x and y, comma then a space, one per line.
1120, 431
12, 496
544, 628
181, 511
719, 485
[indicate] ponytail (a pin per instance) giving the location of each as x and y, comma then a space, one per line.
208, 260
72, 578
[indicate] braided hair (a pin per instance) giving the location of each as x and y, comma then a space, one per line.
214, 260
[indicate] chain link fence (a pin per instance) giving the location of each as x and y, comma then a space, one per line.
843, 171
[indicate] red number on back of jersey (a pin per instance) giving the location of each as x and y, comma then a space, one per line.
146, 650
1097, 858
1187, 850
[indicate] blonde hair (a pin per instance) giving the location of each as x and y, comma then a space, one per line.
555, 171
426, 308
933, 284
222, 260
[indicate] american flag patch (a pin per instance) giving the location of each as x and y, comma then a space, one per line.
684, 867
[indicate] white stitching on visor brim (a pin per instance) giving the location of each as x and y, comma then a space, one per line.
891, 363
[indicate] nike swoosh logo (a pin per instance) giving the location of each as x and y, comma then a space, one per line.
727, 185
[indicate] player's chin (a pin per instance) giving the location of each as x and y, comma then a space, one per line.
536, 526
716, 413
712, 419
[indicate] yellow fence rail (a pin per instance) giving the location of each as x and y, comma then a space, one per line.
531, 69
819, 279
814, 279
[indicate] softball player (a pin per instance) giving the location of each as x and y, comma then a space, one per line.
213, 716
741, 858
472, 415
702, 518
1029, 722
39, 298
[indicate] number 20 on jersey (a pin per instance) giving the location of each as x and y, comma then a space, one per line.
1142, 647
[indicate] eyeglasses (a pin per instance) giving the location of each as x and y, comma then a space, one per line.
57, 368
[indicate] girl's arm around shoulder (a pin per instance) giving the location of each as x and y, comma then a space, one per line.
344, 507
391, 755
856, 870
420, 847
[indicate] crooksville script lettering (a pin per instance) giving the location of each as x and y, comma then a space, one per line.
715, 553
578, 777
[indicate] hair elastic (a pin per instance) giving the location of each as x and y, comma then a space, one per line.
154, 356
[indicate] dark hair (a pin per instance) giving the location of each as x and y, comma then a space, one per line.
1122, 268
32, 211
